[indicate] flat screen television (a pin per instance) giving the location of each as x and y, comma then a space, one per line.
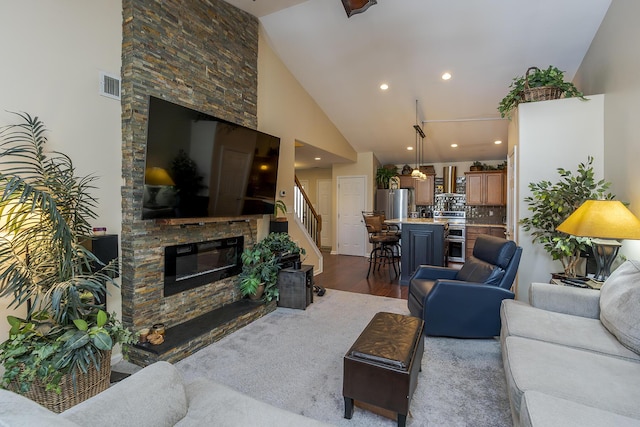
200, 166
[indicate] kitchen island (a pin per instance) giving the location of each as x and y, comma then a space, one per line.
422, 242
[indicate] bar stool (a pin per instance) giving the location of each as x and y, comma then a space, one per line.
385, 240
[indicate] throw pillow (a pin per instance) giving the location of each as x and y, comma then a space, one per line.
620, 304
475, 270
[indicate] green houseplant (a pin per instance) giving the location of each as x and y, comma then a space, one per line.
279, 224
44, 217
552, 77
477, 166
279, 206
384, 174
259, 271
551, 203
261, 264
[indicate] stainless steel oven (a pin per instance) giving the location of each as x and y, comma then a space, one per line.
457, 233
456, 242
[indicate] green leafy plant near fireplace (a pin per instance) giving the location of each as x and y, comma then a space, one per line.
261, 264
45, 211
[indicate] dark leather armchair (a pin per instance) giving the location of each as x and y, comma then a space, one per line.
465, 303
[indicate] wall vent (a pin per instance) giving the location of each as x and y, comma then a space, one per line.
109, 85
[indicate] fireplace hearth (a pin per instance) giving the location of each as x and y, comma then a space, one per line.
190, 265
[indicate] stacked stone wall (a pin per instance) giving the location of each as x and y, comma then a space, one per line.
202, 55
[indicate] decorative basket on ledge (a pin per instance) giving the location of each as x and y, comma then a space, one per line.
85, 386
541, 93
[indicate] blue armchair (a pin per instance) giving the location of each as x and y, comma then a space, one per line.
465, 303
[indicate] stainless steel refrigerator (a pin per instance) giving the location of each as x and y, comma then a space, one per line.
394, 203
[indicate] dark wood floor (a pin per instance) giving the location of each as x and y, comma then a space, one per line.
349, 273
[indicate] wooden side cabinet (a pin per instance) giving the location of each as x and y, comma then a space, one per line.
486, 188
295, 287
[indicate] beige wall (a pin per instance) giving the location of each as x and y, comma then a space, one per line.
286, 110
611, 67
52, 53
553, 134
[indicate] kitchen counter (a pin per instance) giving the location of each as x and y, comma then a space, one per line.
416, 221
483, 224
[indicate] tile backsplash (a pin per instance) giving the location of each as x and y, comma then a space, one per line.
487, 214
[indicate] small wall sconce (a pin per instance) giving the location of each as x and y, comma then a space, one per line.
357, 6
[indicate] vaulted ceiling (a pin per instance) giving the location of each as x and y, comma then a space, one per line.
409, 44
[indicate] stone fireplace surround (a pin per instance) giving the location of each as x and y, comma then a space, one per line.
202, 55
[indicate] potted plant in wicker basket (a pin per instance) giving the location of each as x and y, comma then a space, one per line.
59, 354
537, 85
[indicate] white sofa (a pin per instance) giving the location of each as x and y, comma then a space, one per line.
572, 357
155, 396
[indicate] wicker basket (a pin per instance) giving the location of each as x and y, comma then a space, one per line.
86, 386
542, 93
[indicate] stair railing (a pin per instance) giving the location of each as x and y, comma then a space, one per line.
305, 212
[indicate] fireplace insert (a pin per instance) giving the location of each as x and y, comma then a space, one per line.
196, 264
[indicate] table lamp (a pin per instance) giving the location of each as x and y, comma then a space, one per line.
604, 221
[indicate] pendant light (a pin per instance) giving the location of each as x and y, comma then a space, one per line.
357, 6
417, 174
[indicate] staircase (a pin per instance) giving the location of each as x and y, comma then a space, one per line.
305, 212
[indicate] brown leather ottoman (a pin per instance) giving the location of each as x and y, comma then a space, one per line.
381, 368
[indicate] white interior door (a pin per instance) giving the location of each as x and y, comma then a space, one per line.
324, 209
351, 202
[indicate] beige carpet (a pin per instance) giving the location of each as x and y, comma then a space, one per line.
293, 359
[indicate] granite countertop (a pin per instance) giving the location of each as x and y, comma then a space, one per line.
416, 221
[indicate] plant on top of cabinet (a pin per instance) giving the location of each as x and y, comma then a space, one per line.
552, 203
476, 166
541, 85
384, 174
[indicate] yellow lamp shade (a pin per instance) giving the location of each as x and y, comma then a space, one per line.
157, 176
604, 219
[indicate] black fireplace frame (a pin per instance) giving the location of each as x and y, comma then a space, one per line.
174, 285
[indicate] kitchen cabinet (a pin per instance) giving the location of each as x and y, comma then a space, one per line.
424, 190
486, 188
473, 231
406, 181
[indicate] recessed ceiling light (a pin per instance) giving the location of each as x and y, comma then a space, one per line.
497, 142
317, 158
384, 86
454, 145
409, 148
446, 76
